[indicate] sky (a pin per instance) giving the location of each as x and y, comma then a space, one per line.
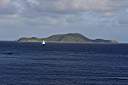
107, 19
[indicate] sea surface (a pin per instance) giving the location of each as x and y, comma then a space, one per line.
63, 64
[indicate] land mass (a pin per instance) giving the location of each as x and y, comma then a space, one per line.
66, 38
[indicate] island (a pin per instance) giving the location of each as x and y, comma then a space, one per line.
67, 38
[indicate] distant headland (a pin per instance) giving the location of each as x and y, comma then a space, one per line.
67, 38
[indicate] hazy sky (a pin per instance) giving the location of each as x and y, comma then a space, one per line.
106, 19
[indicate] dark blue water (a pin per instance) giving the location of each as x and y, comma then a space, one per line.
63, 64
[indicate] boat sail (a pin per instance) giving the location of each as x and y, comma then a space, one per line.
43, 43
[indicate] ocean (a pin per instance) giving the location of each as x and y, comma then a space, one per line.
63, 64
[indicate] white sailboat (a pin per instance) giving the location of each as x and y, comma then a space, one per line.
43, 43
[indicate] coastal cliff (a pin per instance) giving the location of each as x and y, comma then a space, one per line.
66, 38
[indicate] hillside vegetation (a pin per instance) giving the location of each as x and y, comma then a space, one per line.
66, 38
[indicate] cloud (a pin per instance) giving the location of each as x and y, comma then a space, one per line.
41, 7
81, 5
4, 2
55, 11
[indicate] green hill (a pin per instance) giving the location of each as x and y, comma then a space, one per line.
65, 38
